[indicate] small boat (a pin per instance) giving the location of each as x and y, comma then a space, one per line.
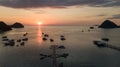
64, 55
42, 33
22, 44
43, 55
61, 36
88, 30
100, 43
105, 39
4, 37
10, 43
82, 31
63, 39
46, 35
17, 45
61, 47
25, 34
42, 58
91, 27
51, 40
44, 39
6, 44
19, 40
25, 39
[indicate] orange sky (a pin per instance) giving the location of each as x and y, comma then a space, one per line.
59, 16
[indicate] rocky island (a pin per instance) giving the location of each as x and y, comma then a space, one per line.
107, 24
17, 25
4, 27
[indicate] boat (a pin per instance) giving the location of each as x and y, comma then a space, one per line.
100, 43
105, 39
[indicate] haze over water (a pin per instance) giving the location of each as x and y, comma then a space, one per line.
79, 45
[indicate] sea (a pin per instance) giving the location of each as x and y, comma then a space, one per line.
79, 46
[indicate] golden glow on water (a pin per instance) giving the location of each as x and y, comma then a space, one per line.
39, 35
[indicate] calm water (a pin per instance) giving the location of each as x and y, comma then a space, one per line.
79, 45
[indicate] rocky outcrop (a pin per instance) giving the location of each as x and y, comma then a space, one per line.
4, 27
108, 24
17, 25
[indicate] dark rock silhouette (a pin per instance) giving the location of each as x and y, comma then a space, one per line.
108, 24
4, 27
17, 25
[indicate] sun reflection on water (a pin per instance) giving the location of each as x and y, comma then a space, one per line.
39, 35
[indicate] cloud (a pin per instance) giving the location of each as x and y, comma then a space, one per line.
57, 3
101, 15
111, 4
115, 17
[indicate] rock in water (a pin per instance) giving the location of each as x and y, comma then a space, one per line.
17, 25
4, 27
108, 24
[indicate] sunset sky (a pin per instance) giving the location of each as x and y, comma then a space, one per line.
59, 12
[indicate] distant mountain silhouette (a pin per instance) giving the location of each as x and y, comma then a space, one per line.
108, 24
4, 27
17, 25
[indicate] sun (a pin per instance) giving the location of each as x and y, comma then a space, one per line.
39, 22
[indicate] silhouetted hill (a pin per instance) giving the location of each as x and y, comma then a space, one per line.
17, 25
4, 27
108, 24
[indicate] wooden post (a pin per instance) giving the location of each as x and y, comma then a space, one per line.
54, 47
